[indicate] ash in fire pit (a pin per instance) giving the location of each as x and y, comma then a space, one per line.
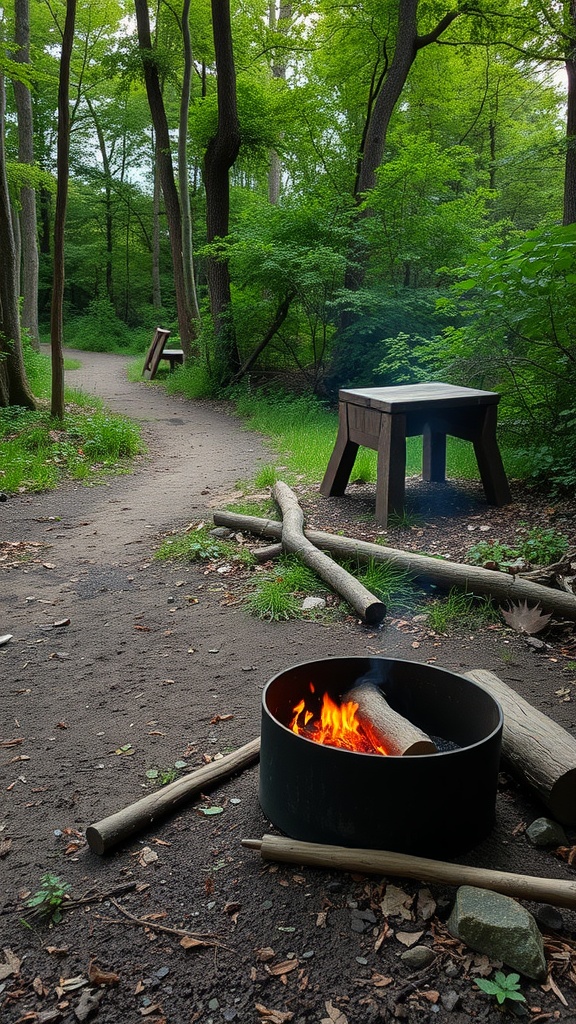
323, 778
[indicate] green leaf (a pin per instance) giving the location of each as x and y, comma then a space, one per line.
210, 811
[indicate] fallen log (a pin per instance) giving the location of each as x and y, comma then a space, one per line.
538, 750
384, 726
358, 597
421, 567
266, 554
107, 833
556, 891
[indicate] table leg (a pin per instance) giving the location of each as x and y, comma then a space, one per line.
391, 475
492, 472
433, 454
342, 459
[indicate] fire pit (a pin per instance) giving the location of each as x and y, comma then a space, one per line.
431, 804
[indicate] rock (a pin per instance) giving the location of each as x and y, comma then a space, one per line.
499, 927
3, 496
221, 531
418, 957
546, 832
312, 602
450, 1000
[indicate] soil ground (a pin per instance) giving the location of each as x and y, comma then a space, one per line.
162, 662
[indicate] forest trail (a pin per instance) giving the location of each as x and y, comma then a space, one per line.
195, 452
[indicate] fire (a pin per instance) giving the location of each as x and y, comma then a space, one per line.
337, 726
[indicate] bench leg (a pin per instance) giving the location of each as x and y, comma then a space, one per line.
492, 472
433, 454
342, 459
391, 478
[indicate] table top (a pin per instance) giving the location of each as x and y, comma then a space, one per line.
407, 397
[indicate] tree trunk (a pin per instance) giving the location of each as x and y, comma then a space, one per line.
471, 578
379, 111
280, 23
156, 285
221, 153
166, 170
107, 198
187, 242
569, 215
28, 226
14, 388
62, 174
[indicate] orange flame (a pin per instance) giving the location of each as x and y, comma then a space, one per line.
337, 726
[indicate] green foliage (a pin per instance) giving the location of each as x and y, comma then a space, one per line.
47, 901
164, 776
519, 336
193, 546
503, 987
266, 508
458, 611
274, 594
99, 329
39, 451
388, 583
266, 476
537, 546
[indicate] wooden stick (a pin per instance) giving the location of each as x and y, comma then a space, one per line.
110, 831
384, 726
539, 750
435, 570
556, 891
293, 539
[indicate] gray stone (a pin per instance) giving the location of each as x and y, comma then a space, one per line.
449, 1000
418, 957
221, 531
312, 602
499, 927
549, 918
546, 832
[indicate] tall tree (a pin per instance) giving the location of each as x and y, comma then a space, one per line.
28, 226
220, 155
166, 171
14, 387
63, 167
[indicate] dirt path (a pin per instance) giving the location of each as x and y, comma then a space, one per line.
160, 663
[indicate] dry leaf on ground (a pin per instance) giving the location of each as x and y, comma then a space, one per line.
397, 903
335, 1015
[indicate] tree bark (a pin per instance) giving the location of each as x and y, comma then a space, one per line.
556, 891
14, 388
569, 215
220, 155
107, 833
446, 574
538, 750
384, 726
62, 174
28, 226
156, 284
187, 243
166, 170
293, 540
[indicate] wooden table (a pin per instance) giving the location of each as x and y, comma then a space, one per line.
382, 419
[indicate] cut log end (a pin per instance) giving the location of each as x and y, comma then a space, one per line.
375, 614
420, 748
95, 841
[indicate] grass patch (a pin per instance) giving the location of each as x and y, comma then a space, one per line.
198, 545
460, 611
39, 451
387, 582
278, 592
265, 508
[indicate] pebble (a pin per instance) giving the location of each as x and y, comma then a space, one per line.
418, 957
450, 1000
213, 1004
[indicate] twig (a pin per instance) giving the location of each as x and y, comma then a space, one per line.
181, 932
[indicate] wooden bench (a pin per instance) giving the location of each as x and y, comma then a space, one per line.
157, 351
382, 419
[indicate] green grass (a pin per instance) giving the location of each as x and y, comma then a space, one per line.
460, 611
39, 451
278, 592
198, 545
388, 583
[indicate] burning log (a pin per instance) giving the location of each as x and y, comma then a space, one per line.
558, 892
434, 570
108, 832
386, 727
539, 750
293, 539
